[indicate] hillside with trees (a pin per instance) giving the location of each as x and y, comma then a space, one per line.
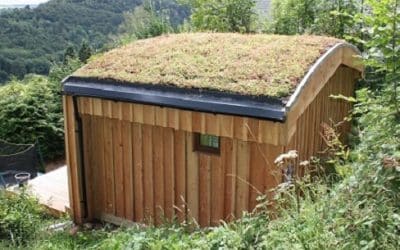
31, 40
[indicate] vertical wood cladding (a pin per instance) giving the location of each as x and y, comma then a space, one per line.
148, 173
307, 139
141, 166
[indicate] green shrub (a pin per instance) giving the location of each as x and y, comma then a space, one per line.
20, 217
31, 111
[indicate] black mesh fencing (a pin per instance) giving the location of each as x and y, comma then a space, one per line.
15, 159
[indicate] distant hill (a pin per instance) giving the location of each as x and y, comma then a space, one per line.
31, 39
18, 6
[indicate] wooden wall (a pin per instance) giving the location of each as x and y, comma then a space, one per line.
307, 139
140, 164
146, 173
241, 128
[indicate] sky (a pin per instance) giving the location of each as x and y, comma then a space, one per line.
18, 2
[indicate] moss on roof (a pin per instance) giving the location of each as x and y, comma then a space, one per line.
257, 65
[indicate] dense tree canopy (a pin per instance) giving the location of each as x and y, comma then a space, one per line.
32, 39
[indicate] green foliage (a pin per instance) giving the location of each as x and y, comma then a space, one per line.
292, 16
144, 22
222, 16
334, 18
69, 54
85, 52
31, 111
20, 217
30, 39
381, 42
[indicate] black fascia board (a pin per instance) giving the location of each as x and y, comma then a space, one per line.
188, 99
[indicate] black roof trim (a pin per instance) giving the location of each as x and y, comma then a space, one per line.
189, 99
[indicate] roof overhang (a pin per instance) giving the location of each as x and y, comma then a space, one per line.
189, 99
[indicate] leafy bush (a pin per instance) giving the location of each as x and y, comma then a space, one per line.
222, 16
20, 217
30, 111
143, 22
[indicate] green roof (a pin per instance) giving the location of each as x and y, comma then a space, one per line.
255, 65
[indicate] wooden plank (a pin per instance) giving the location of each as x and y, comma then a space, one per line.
97, 107
109, 166
88, 154
107, 108
137, 142
226, 126
212, 124
128, 169
204, 190
273, 175
242, 178
180, 174
118, 168
99, 164
87, 107
239, 128
148, 184
173, 118
117, 220
72, 158
258, 166
217, 189
228, 154
169, 178
116, 110
161, 116
127, 111
149, 115
138, 113
192, 172
198, 122
185, 120
252, 127
158, 173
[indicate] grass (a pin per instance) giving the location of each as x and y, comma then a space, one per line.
256, 65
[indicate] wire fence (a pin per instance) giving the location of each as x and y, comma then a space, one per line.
16, 159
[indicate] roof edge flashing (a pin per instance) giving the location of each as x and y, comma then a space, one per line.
196, 101
314, 68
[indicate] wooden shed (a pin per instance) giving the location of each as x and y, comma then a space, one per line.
188, 126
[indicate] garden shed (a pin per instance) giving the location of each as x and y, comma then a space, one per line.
188, 126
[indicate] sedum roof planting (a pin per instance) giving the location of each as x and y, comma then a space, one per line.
252, 65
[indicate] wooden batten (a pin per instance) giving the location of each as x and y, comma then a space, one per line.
235, 127
73, 159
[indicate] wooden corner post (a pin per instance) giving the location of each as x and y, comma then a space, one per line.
73, 156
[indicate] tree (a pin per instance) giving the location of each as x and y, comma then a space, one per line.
334, 18
144, 22
223, 15
85, 52
381, 40
69, 54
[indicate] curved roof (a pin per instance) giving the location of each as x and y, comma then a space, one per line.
255, 65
